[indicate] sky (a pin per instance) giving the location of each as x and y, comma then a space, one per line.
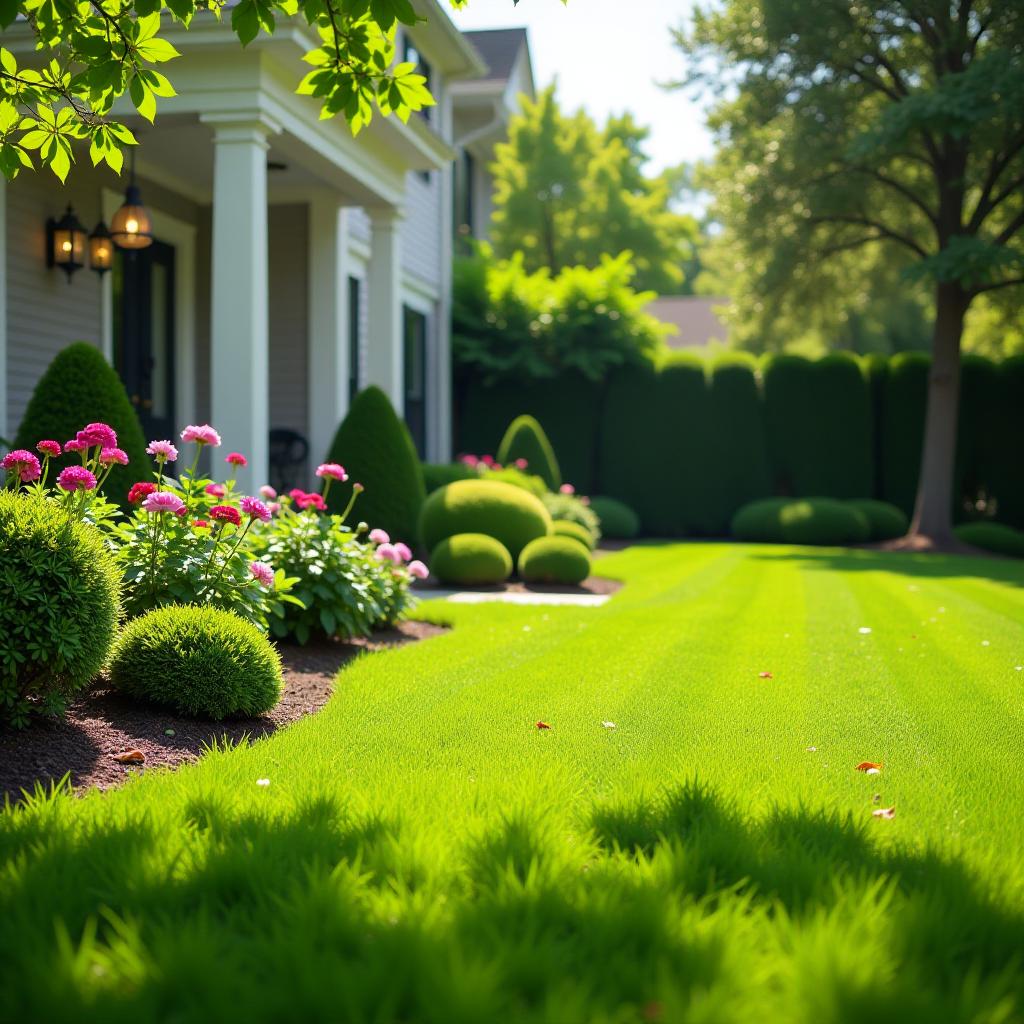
608, 57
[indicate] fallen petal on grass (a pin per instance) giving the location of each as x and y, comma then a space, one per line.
263, 782
867, 766
765, 675
884, 812
130, 757
608, 725
543, 725
864, 629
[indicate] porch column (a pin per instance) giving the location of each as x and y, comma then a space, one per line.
384, 361
328, 323
238, 321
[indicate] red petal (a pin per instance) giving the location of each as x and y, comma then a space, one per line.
130, 757
543, 725
765, 675
866, 765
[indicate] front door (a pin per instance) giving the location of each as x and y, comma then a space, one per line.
143, 333
415, 344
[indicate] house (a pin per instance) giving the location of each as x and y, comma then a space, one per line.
292, 264
695, 319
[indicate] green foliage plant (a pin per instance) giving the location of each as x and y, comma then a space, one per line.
202, 662
617, 520
574, 508
59, 606
526, 441
885, 521
995, 537
471, 560
560, 560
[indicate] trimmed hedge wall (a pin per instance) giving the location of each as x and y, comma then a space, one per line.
686, 444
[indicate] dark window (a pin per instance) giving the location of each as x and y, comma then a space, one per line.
415, 338
468, 170
354, 317
143, 333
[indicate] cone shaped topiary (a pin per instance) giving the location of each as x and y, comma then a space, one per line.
525, 439
375, 448
81, 387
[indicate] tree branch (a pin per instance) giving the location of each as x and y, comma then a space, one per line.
884, 231
986, 204
1008, 282
1011, 229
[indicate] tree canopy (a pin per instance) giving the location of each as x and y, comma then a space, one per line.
90, 53
900, 123
568, 192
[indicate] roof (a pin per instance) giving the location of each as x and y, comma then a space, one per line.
694, 317
499, 47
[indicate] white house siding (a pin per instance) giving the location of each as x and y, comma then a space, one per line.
44, 311
288, 248
422, 230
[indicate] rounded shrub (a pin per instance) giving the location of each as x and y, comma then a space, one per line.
439, 474
375, 448
81, 387
525, 439
996, 537
200, 662
471, 560
825, 521
567, 528
554, 560
618, 521
509, 514
885, 521
571, 509
59, 607
759, 521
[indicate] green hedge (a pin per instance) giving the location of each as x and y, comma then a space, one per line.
1005, 443
818, 418
996, 537
904, 397
558, 560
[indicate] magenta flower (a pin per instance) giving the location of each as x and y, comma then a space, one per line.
98, 434
403, 551
469, 460
215, 490
51, 448
275, 507
139, 491
22, 464
163, 501
262, 572
567, 489
418, 570
236, 459
332, 471
162, 451
379, 536
255, 509
268, 492
201, 434
76, 478
225, 514
108, 456
387, 553
521, 463
75, 445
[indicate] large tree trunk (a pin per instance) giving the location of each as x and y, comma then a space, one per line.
932, 527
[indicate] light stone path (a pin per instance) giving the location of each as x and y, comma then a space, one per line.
514, 597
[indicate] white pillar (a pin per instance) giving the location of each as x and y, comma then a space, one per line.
238, 327
328, 323
439, 393
384, 357
6, 430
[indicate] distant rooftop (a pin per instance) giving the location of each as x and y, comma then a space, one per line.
499, 47
695, 319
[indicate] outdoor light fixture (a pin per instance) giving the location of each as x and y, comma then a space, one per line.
101, 249
65, 243
131, 227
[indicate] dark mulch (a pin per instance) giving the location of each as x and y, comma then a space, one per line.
101, 723
591, 585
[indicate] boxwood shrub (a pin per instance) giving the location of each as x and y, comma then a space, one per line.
554, 560
509, 514
885, 521
759, 521
571, 509
525, 439
81, 387
566, 528
825, 521
905, 396
199, 662
1004, 443
375, 448
995, 537
59, 607
471, 560
439, 474
617, 520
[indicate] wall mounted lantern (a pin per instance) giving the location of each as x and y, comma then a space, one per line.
101, 249
65, 243
131, 227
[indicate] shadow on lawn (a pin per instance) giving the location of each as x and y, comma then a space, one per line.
318, 914
925, 566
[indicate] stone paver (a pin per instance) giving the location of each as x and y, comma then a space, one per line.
516, 597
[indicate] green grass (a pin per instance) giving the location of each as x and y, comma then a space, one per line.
424, 853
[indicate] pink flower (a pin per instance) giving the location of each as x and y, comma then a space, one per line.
358, 488
268, 492
468, 460
139, 491
76, 478
488, 460
22, 464
236, 459
225, 514
200, 524
521, 463
418, 570
108, 456
163, 501
567, 489
255, 509
379, 537
98, 434
387, 553
182, 512
332, 471
51, 448
75, 445
215, 490
304, 500
275, 507
403, 551
262, 572
162, 451
202, 434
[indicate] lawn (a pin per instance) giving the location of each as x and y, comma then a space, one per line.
424, 852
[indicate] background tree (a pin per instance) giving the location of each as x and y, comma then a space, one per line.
568, 192
898, 123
